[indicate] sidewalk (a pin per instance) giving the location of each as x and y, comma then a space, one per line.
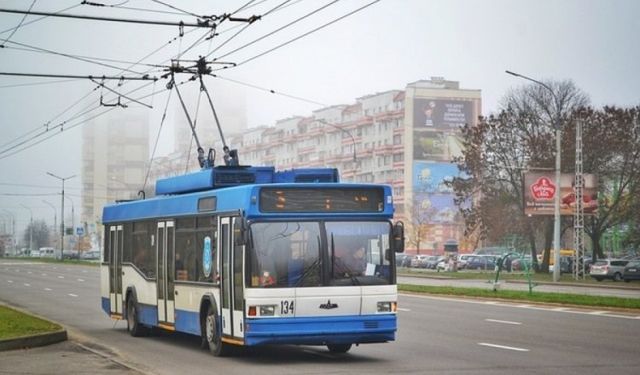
66, 357
52, 353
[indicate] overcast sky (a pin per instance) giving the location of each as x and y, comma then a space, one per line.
385, 46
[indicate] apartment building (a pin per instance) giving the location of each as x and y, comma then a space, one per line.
115, 154
403, 138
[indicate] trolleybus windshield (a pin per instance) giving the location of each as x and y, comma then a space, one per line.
310, 253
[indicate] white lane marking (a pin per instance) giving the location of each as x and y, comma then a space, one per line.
47, 289
44, 274
72, 295
597, 312
401, 309
503, 347
607, 314
503, 322
29, 272
84, 271
81, 280
560, 309
10, 281
25, 284
60, 277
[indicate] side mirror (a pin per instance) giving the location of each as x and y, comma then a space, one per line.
240, 231
398, 237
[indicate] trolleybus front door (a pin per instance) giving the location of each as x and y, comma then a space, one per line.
165, 250
115, 269
232, 282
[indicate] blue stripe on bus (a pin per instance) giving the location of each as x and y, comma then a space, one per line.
106, 305
148, 314
321, 330
188, 321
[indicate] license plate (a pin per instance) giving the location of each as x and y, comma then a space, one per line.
633, 270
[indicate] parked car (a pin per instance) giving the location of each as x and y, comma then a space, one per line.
70, 254
433, 261
90, 255
462, 260
521, 264
481, 262
631, 271
419, 261
608, 269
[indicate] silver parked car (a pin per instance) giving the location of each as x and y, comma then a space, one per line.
608, 269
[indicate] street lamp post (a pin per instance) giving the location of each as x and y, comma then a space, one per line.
30, 228
556, 202
55, 216
73, 216
63, 179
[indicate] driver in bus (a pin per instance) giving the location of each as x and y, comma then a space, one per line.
354, 263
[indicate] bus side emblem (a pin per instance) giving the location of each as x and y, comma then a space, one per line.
329, 305
206, 257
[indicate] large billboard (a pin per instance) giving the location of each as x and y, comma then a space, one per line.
436, 208
437, 146
431, 177
540, 189
441, 114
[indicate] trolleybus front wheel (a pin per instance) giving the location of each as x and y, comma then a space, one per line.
214, 335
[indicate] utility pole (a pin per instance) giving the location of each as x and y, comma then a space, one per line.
578, 224
30, 228
63, 179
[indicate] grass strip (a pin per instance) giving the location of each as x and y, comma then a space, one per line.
543, 297
55, 261
16, 324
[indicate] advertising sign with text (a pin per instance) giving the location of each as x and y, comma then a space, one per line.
540, 190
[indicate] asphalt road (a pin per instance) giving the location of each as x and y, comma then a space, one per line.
436, 335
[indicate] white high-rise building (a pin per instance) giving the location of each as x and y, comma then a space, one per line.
115, 153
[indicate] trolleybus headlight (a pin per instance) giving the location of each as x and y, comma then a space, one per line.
267, 310
387, 306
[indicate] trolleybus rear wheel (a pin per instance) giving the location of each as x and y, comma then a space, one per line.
133, 325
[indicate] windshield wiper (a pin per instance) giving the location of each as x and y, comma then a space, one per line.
312, 267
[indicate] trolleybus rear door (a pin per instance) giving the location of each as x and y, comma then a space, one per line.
165, 250
232, 292
115, 269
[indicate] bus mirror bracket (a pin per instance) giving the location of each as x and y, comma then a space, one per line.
398, 237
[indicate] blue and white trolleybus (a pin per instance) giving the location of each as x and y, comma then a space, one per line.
245, 256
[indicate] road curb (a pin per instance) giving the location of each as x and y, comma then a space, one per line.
33, 341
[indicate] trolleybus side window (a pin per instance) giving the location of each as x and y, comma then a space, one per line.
106, 254
126, 252
143, 247
185, 260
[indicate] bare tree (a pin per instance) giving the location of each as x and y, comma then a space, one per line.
500, 148
419, 218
